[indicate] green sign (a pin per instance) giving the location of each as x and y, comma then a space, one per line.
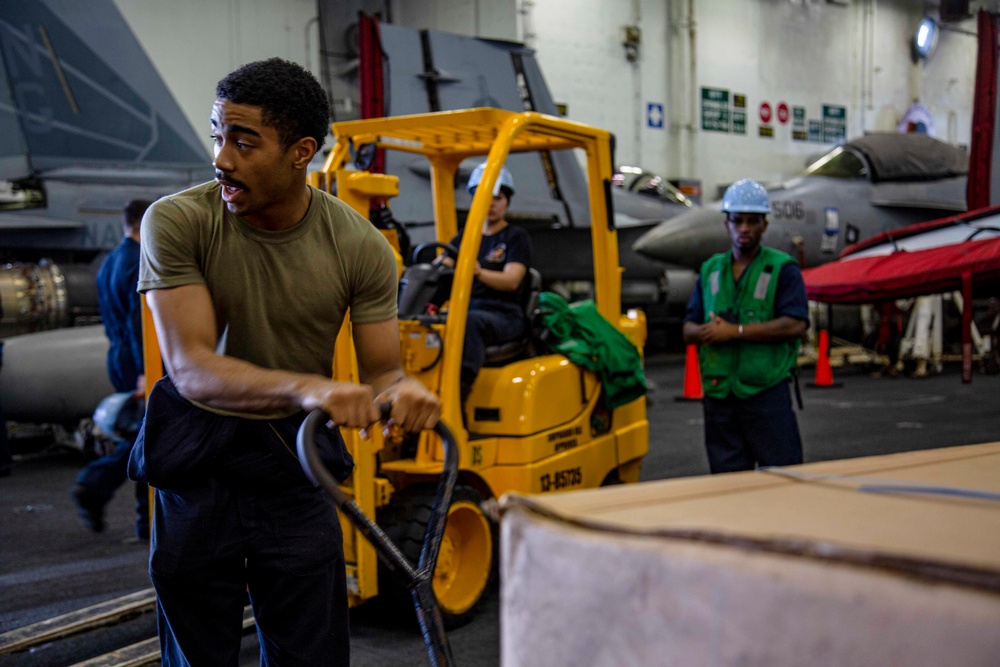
715, 110
798, 117
739, 122
834, 124
815, 131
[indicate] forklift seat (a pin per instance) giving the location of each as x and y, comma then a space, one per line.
498, 355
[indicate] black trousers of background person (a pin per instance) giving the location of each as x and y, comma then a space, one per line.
743, 433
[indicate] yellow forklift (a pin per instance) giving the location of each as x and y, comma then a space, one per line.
533, 423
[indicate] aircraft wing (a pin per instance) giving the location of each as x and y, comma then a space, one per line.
927, 258
9, 222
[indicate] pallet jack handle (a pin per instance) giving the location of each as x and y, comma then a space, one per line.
419, 580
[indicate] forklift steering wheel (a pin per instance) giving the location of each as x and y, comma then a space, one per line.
447, 247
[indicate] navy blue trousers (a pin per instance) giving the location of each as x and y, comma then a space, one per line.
255, 527
105, 475
489, 323
757, 431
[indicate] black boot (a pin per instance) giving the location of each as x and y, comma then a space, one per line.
89, 507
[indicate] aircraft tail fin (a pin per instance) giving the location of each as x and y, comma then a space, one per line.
78, 90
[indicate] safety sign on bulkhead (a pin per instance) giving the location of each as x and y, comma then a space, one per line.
654, 115
722, 112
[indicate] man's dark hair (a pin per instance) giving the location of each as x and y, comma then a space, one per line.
134, 211
290, 98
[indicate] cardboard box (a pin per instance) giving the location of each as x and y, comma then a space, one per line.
887, 560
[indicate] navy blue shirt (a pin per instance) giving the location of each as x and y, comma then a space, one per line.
789, 297
121, 312
510, 244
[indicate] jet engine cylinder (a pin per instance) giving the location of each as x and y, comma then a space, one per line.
41, 296
55, 376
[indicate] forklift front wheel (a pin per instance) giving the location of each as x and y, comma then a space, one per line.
466, 561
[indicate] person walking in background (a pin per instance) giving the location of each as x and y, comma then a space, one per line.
121, 312
747, 314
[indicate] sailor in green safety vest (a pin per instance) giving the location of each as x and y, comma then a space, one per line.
747, 315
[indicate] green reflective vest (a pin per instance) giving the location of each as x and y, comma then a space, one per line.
743, 368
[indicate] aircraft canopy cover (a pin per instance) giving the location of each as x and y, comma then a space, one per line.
925, 262
896, 157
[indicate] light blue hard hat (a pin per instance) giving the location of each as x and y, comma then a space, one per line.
120, 415
505, 180
746, 196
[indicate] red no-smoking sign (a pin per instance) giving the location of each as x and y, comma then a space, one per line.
782, 113
765, 112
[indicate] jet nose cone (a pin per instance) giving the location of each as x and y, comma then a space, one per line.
687, 240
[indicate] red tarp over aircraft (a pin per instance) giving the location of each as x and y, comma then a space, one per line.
931, 258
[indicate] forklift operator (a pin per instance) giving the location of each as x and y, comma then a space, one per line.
496, 313
248, 279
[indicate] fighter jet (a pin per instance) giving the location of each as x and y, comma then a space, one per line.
859, 189
86, 125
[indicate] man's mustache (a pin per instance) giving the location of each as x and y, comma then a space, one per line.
220, 176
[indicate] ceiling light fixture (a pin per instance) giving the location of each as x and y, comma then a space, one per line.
925, 39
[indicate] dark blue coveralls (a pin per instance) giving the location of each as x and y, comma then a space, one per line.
121, 312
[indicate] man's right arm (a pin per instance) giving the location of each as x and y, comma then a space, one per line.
695, 317
692, 333
185, 325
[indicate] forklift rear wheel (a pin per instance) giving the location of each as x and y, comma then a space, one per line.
465, 564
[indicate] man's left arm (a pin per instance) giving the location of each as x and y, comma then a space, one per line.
414, 407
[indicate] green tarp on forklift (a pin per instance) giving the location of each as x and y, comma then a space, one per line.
592, 342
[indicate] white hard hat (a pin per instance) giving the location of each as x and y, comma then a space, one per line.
505, 180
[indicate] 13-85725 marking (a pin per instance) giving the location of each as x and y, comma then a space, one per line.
562, 479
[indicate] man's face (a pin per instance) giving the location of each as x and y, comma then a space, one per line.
745, 230
256, 172
498, 208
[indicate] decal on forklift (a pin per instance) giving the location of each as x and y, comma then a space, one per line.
477, 455
565, 433
562, 479
566, 444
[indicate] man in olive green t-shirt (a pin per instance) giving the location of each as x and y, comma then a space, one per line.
248, 279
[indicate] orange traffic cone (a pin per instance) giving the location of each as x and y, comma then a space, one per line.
692, 376
824, 374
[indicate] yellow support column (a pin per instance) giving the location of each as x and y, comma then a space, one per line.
357, 189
